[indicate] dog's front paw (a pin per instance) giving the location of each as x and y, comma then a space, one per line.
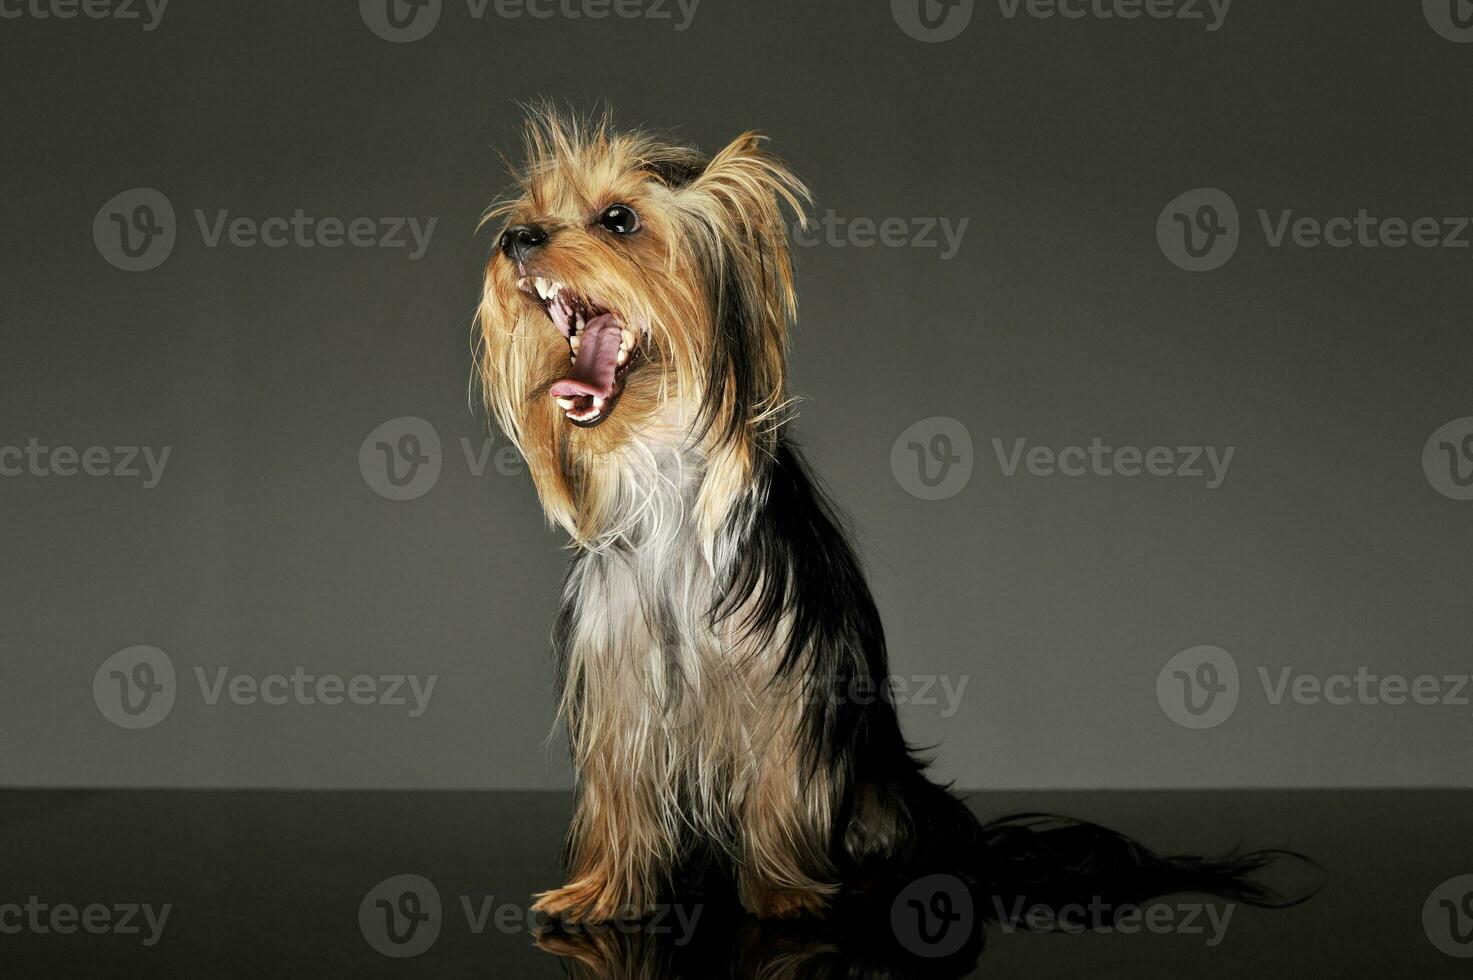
785, 903
585, 900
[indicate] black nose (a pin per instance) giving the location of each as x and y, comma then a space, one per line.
519, 241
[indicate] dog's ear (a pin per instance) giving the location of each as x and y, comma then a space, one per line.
738, 203
751, 184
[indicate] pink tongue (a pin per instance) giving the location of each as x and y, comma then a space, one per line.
598, 358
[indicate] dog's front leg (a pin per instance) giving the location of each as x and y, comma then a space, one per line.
613, 852
786, 815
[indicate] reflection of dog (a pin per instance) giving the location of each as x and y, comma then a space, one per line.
739, 952
633, 336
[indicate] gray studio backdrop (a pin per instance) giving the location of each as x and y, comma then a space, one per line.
1134, 336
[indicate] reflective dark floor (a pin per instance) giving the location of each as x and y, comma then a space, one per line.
257, 884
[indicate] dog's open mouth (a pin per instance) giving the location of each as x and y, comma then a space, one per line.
601, 348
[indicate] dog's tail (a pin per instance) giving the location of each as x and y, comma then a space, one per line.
1042, 858
930, 905
1004, 870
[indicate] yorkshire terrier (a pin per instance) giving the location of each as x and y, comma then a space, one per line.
632, 342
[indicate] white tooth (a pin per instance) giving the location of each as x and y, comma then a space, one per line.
557, 287
544, 287
627, 337
598, 403
576, 342
581, 323
623, 355
565, 403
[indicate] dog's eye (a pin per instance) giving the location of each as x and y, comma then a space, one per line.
620, 219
